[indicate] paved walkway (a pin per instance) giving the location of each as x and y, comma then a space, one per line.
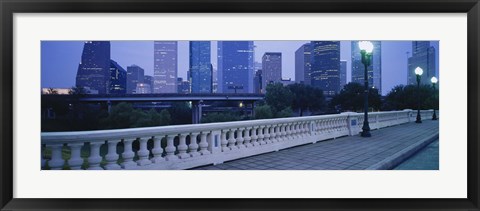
353, 152
425, 159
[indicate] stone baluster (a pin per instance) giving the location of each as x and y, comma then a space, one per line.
300, 130
336, 124
273, 134
240, 138
128, 154
293, 131
170, 148
112, 157
76, 159
143, 152
322, 126
254, 136
193, 146
56, 162
304, 129
315, 128
247, 137
157, 150
290, 131
95, 159
43, 161
261, 135
284, 132
278, 133
231, 140
224, 141
204, 144
182, 146
332, 125
267, 134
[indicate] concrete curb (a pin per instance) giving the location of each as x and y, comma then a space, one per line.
397, 158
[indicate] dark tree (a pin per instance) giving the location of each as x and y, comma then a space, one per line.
278, 97
306, 98
263, 112
410, 97
351, 98
123, 115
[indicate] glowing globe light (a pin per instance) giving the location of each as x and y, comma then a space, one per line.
434, 80
418, 71
366, 46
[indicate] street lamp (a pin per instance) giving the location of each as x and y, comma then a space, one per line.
434, 81
366, 49
418, 72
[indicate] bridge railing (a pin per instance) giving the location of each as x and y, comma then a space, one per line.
188, 146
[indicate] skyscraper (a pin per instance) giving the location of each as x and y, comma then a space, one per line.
165, 67
374, 70
135, 75
343, 73
325, 69
118, 79
201, 72
303, 64
271, 68
423, 56
183, 86
235, 66
257, 82
143, 88
149, 80
94, 69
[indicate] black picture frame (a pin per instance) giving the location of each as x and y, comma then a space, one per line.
10, 7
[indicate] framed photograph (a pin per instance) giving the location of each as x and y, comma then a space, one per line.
204, 104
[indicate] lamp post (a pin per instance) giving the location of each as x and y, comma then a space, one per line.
434, 81
366, 49
418, 72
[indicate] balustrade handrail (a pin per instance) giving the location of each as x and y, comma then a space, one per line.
101, 135
210, 143
96, 135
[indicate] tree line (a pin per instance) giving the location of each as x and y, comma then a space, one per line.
280, 101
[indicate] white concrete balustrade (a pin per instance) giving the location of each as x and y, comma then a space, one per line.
188, 146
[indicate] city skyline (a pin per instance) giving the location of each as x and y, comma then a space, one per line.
59, 56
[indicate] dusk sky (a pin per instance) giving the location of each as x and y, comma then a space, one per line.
60, 59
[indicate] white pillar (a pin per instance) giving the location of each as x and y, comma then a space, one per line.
284, 132
224, 141
247, 137
182, 146
112, 157
128, 154
56, 162
143, 152
231, 140
170, 149
254, 136
278, 133
261, 135
267, 134
203, 144
193, 146
157, 150
240, 138
95, 159
76, 159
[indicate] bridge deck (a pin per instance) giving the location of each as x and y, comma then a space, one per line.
386, 146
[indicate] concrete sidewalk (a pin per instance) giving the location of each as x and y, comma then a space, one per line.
387, 146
